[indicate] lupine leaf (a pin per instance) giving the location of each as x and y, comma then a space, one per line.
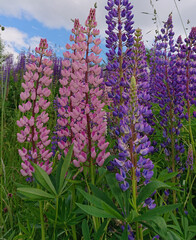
116, 191
100, 194
93, 211
101, 230
34, 194
176, 222
85, 230
94, 200
42, 177
173, 236
148, 190
125, 234
112, 211
149, 215
164, 175
159, 226
184, 222
62, 169
192, 228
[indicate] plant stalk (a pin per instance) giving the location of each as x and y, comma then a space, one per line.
56, 217
42, 220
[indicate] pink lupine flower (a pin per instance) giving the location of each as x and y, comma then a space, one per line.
82, 94
37, 78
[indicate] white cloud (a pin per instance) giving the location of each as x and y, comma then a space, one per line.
58, 14
14, 37
15, 41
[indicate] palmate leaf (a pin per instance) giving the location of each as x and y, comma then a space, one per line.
99, 203
116, 191
85, 230
125, 234
158, 224
62, 168
92, 199
184, 222
150, 214
178, 228
173, 236
94, 211
34, 194
112, 211
164, 175
102, 196
43, 179
192, 228
147, 190
101, 230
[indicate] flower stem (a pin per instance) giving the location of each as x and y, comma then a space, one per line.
57, 208
42, 220
139, 233
191, 185
4, 90
72, 206
193, 144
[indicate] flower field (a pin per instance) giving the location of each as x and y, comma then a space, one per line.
93, 150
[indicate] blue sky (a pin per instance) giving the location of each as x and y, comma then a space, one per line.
26, 21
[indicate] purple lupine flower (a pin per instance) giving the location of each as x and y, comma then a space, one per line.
149, 202
156, 237
186, 53
189, 161
165, 91
128, 121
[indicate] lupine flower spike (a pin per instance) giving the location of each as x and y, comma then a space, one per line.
36, 91
81, 89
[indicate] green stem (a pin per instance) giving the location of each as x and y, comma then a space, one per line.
92, 172
1, 208
56, 217
134, 189
42, 220
96, 223
4, 90
192, 143
139, 232
72, 207
189, 191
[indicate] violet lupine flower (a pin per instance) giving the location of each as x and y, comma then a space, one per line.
81, 89
137, 67
129, 126
186, 78
57, 67
37, 79
19, 67
120, 38
189, 161
156, 237
186, 70
149, 202
7, 67
166, 91
58, 128
134, 143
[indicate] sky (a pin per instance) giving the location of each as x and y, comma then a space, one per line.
27, 21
